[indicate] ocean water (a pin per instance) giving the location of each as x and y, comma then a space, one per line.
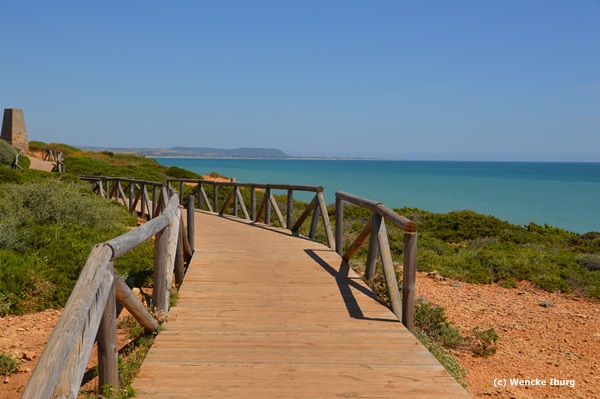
565, 195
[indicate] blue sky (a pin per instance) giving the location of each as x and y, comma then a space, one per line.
440, 80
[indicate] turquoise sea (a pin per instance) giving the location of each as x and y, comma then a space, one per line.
565, 195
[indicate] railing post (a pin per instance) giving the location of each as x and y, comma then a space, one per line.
190, 220
339, 225
268, 206
108, 356
216, 196
179, 261
159, 291
154, 200
253, 203
131, 195
409, 277
143, 201
314, 221
235, 201
290, 209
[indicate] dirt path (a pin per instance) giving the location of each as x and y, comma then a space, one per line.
41, 165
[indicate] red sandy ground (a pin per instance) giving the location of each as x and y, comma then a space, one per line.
558, 342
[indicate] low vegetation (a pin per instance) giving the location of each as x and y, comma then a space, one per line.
37, 218
41, 211
7, 153
482, 249
8, 365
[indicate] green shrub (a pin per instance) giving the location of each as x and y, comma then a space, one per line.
64, 148
55, 202
484, 342
120, 165
7, 153
38, 218
179, 173
37, 145
483, 249
432, 320
8, 365
8, 175
589, 261
24, 162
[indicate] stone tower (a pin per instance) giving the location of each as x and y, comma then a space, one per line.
13, 129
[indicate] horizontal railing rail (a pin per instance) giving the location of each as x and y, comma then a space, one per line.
316, 209
375, 231
90, 312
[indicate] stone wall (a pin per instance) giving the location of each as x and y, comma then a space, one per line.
13, 129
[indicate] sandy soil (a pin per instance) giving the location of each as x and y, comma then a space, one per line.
556, 343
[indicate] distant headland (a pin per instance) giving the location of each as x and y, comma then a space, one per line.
200, 152
205, 152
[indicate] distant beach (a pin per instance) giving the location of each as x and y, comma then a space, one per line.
564, 195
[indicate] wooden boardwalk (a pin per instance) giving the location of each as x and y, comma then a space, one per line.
263, 314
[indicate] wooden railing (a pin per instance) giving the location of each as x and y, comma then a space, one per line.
402, 306
56, 156
90, 312
317, 206
15, 164
132, 193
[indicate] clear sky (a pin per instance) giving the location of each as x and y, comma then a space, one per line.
440, 80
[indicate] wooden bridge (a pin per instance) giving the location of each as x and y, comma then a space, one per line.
264, 312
